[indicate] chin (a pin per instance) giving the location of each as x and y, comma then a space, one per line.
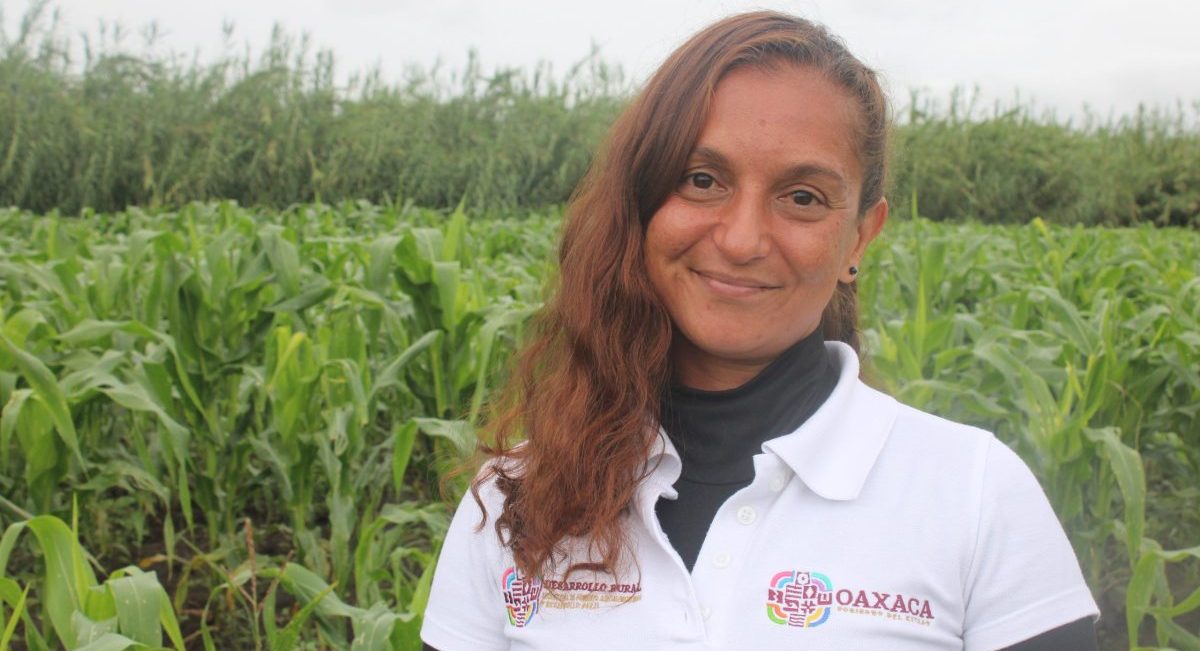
736, 349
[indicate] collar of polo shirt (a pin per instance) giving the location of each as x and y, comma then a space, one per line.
832, 452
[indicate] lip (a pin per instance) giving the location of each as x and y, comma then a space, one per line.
733, 286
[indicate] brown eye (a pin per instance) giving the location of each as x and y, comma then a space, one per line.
803, 198
701, 180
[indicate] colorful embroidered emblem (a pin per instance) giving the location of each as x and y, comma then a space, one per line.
521, 596
802, 599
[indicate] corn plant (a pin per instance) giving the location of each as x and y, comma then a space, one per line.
205, 366
130, 610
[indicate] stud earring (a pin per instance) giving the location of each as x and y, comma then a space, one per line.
853, 270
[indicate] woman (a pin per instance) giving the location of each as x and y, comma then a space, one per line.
702, 467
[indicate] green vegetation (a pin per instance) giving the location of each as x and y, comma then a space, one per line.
255, 410
119, 129
1009, 164
250, 405
227, 427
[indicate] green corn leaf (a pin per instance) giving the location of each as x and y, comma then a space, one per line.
391, 376
446, 281
91, 331
137, 599
43, 383
19, 326
10, 590
406, 634
88, 630
1179, 637
1126, 466
373, 629
402, 447
18, 611
285, 260
112, 642
270, 629
135, 398
458, 432
315, 292
287, 638
67, 576
8, 421
380, 259
420, 597
307, 587
487, 341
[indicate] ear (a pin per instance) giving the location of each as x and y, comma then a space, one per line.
868, 227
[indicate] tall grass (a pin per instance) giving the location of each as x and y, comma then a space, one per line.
118, 127
1011, 163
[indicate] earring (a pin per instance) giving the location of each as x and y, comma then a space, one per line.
853, 270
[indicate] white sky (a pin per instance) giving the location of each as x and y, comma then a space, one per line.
1064, 54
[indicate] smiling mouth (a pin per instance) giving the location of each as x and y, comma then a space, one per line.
732, 285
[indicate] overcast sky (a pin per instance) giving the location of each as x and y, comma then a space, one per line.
1064, 54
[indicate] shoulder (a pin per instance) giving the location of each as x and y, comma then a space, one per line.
969, 476
484, 500
919, 427
959, 446
923, 439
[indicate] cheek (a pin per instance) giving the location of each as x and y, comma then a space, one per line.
669, 235
656, 254
815, 256
823, 254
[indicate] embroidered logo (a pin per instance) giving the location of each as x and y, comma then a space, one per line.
521, 595
807, 599
798, 598
588, 595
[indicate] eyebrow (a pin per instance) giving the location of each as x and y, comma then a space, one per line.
801, 170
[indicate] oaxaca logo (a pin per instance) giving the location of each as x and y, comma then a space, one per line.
798, 598
807, 599
520, 596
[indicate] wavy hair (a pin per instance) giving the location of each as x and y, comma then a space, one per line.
585, 391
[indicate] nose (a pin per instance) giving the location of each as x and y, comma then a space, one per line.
741, 234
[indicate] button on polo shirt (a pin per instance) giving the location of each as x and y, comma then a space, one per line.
873, 526
747, 515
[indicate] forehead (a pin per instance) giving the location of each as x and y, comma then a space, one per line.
783, 114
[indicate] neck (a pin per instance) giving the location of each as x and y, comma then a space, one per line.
717, 432
695, 369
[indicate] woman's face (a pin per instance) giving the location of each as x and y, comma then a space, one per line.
748, 250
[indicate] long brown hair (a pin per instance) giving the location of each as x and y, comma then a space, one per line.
585, 392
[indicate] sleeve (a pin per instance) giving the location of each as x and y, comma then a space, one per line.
465, 610
1024, 578
1079, 635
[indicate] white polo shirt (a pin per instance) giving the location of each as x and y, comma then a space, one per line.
872, 526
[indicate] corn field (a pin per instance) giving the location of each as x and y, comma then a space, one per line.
228, 428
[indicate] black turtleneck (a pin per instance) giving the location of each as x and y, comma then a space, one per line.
717, 434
